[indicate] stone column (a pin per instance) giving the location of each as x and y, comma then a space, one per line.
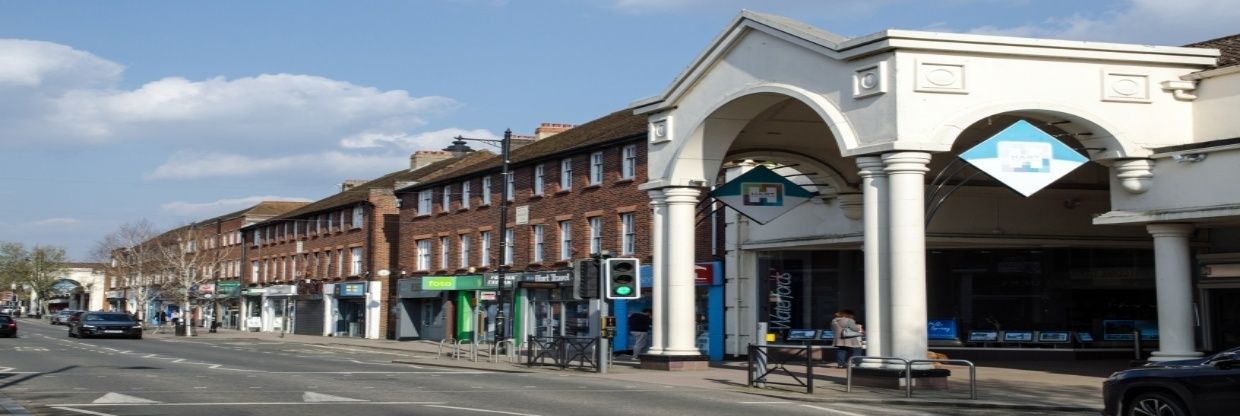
681, 329
1174, 283
658, 260
877, 276
906, 172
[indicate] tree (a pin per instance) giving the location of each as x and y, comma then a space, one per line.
37, 269
130, 255
188, 258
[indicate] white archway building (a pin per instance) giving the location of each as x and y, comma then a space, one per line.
866, 119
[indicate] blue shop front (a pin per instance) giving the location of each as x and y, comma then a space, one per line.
709, 301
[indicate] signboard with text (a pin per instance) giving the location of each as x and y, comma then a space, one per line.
1024, 158
761, 194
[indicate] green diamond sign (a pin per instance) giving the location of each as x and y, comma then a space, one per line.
761, 194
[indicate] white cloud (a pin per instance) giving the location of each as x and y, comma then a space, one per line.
196, 165
1137, 21
432, 140
31, 63
57, 222
222, 206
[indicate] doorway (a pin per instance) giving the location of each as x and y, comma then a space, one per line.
1224, 318
351, 321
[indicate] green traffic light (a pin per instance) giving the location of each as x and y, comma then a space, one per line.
624, 290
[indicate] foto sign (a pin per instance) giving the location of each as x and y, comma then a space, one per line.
1024, 158
761, 194
471, 282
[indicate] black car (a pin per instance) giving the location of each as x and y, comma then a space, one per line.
105, 324
1198, 387
8, 326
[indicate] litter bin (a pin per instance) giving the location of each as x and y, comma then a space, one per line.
180, 329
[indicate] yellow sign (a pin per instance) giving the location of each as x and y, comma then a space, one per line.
770, 337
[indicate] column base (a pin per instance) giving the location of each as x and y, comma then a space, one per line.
1159, 356
674, 362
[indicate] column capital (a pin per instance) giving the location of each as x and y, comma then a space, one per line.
871, 166
657, 197
681, 195
906, 162
1134, 175
1170, 230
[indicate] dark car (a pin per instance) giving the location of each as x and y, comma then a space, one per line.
1198, 387
8, 326
105, 324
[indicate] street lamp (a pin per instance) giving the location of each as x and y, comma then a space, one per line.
505, 146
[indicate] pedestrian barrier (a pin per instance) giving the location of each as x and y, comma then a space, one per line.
562, 351
908, 370
439, 352
760, 353
511, 351
907, 376
460, 348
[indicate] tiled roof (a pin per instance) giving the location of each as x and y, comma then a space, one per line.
361, 192
1228, 46
615, 126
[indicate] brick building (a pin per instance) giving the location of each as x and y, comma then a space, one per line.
323, 269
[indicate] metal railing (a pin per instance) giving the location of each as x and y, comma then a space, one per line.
908, 375
562, 351
760, 352
511, 351
442, 342
460, 348
972, 374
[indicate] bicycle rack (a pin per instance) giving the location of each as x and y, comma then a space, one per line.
511, 351
908, 373
439, 352
474, 353
460, 348
908, 370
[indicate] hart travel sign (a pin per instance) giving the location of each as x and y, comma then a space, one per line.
761, 194
1024, 158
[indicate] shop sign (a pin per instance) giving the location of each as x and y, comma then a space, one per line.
412, 288
253, 291
942, 329
761, 194
228, 289
116, 294
282, 290
205, 288
486, 295
351, 290
550, 276
1024, 158
470, 282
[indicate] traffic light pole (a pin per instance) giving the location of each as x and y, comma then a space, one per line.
501, 326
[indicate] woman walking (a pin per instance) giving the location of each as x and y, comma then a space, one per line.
847, 336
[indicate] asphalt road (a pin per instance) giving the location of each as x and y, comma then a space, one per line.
49, 373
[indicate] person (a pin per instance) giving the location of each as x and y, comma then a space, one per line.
639, 331
845, 348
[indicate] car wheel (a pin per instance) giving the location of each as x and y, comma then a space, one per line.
1155, 403
70, 333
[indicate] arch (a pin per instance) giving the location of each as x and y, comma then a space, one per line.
825, 173
1082, 121
732, 103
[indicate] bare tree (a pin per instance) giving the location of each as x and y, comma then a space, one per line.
38, 269
189, 257
130, 254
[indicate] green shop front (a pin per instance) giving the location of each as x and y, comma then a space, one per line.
471, 303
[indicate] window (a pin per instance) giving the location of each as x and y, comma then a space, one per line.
357, 216
596, 168
443, 253
258, 238
464, 250
539, 244
566, 240
318, 224
507, 246
512, 189
596, 235
538, 179
340, 263
342, 216
465, 194
445, 202
628, 234
486, 190
331, 222
485, 260
327, 259
315, 262
285, 234
294, 271
254, 271
355, 268
424, 202
628, 166
424, 254
566, 174
296, 228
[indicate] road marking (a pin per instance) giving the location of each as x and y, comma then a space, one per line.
312, 397
762, 402
350, 373
832, 410
245, 404
117, 398
82, 411
479, 410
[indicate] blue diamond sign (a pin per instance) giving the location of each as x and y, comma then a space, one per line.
1024, 158
761, 194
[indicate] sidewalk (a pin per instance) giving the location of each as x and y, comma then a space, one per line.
1047, 386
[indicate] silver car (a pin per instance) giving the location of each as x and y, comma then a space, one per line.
61, 317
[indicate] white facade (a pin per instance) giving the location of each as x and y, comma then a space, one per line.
869, 121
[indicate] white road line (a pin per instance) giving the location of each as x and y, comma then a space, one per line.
762, 402
479, 410
832, 410
349, 373
245, 404
85, 412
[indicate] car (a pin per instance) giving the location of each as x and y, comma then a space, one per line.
105, 324
8, 326
1204, 386
61, 317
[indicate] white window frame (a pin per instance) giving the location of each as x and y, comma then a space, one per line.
342, 217
566, 240
485, 240
463, 242
566, 174
628, 233
596, 168
596, 234
425, 197
424, 254
359, 214
340, 263
254, 271
628, 164
465, 194
512, 185
508, 245
443, 253
486, 190
538, 179
540, 249
355, 261
446, 200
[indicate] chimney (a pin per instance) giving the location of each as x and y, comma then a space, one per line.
550, 129
425, 157
350, 183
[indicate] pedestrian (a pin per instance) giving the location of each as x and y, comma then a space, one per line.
847, 336
639, 331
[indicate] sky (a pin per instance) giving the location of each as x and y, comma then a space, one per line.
119, 111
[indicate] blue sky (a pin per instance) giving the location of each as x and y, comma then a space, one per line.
119, 111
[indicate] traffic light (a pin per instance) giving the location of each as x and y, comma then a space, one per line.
585, 279
621, 279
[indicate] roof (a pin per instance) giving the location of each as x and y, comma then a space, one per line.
361, 193
1228, 46
619, 125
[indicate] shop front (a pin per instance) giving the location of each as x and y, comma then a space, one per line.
228, 297
116, 300
350, 319
548, 308
471, 304
278, 308
252, 308
709, 301
309, 305
421, 313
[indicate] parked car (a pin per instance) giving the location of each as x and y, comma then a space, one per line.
1204, 386
8, 326
105, 324
61, 317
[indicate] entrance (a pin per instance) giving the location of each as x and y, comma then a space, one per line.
352, 319
1224, 318
422, 319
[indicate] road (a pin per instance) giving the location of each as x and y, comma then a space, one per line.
50, 374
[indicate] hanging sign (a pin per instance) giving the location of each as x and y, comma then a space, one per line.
761, 194
1024, 158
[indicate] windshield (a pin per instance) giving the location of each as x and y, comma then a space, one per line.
106, 317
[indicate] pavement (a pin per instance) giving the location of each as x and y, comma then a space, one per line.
1061, 386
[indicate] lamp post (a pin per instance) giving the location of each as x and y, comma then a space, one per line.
215, 288
505, 146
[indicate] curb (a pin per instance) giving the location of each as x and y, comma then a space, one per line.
958, 403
